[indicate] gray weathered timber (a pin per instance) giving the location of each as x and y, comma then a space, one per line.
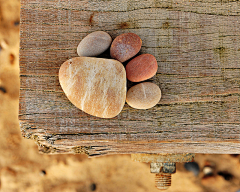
197, 46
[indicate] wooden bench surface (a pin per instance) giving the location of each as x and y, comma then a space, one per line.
197, 46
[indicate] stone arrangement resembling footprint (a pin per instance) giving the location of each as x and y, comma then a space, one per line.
98, 86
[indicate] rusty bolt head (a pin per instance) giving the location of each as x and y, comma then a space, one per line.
163, 168
169, 168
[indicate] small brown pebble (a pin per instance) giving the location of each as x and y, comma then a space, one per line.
208, 170
125, 46
94, 44
141, 68
143, 95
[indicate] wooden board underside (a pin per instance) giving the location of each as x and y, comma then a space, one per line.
197, 46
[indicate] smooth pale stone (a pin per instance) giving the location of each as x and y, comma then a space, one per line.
94, 44
141, 68
96, 86
125, 46
143, 95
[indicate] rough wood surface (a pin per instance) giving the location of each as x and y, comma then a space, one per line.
197, 46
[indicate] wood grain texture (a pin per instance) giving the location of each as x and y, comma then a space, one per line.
197, 46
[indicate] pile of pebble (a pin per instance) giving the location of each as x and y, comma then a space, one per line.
98, 86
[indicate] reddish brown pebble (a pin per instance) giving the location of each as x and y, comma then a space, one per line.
141, 68
143, 95
125, 46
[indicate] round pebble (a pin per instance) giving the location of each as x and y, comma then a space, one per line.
94, 44
193, 167
208, 170
125, 46
143, 95
141, 68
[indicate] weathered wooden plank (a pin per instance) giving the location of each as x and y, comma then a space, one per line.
197, 46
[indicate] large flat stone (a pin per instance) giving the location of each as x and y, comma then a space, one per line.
96, 86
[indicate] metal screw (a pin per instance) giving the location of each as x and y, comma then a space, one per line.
163, 181
163, 165
163, 174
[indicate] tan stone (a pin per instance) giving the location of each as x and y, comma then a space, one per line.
96, 86
143, 95
94, 44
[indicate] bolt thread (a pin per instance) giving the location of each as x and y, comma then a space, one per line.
163, 181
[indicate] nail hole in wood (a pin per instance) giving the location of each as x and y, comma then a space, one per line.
91, 19
124, 25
